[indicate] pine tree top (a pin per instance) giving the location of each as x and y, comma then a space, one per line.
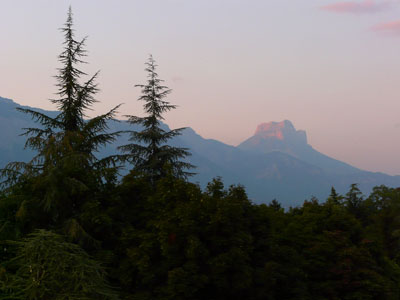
149, 152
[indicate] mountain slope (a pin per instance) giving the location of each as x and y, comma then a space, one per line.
283, 137
278, 163
275, 163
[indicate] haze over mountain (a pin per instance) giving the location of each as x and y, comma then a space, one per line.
275, 163
283, 137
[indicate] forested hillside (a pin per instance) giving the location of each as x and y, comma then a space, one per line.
71, 227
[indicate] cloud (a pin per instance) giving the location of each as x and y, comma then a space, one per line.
392, 27
358, 7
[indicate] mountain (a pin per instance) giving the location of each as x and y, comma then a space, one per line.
275, 163
278, 163
11, 143
283, 137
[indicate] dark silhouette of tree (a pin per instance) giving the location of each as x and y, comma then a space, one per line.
63, 190
64, 216
275, 205
48, 267
354, 201
334, 197
150, 155
65, 175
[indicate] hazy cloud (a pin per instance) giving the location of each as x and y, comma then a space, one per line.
358, 7
392, 27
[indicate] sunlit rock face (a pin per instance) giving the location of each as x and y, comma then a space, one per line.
282, 131
276, 136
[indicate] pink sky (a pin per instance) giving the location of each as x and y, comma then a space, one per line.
358, 7
331, 67
392, 27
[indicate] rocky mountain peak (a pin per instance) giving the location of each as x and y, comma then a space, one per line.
275, 129
281, 131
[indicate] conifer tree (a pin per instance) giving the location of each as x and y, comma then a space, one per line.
150, 155
48, 267
65, 174
334, 197
61, 190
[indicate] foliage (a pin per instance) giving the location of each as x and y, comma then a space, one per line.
182, 243
48, 267
62, 189
65, 176
150, 154
69, 229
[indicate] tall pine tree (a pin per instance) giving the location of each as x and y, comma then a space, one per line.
62, 190
150, 155
64, 180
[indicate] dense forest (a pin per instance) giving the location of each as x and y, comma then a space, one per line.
72, 227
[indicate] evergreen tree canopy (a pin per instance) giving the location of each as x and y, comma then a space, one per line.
65, 175
48, 267
150, 155
69, 132
65, 220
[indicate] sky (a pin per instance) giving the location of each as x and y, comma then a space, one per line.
331, 67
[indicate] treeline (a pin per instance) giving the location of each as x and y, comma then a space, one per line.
72, 228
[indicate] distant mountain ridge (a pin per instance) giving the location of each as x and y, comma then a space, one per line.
283, 137
275, 163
